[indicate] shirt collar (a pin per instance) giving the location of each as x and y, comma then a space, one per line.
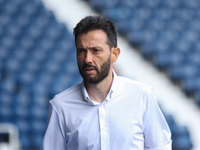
110, 93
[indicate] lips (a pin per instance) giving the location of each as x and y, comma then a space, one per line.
89, 70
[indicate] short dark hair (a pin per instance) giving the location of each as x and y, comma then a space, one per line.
91, 23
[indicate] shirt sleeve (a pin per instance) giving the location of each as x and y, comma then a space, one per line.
54, 136
157, 135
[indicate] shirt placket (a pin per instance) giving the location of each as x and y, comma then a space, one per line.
103, 127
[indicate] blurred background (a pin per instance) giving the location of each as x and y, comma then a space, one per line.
159, 41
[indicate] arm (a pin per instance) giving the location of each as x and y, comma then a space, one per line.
54, 136
157, 135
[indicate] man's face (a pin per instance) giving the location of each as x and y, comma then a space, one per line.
93, 56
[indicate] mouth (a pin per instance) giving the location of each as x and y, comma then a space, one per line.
89, 70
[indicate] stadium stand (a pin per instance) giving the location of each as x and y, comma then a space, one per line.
37, 61
37, 56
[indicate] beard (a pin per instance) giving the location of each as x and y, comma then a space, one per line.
102, 72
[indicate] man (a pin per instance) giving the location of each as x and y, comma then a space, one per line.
105, 111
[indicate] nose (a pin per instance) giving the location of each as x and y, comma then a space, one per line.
88, 57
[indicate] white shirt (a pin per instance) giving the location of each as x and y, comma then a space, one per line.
128, 119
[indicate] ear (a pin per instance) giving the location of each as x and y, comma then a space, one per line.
115, 54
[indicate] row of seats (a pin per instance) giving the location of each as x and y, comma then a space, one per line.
173, 4
37, 61
146, 15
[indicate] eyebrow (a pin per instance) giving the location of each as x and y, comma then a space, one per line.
93, 47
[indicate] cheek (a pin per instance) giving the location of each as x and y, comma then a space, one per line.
79, 59
79, 62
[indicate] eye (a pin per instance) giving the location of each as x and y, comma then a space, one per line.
96, 50
80, 50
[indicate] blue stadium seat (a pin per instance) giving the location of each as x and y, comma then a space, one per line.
37, 139
157, 25
38, 55
185, 71
38, 89
172, 4
130, 25
181, 138
190, 36
32, 66
6, 113
13, 30
40, 23
40, 98
43, 78
185, 14
23, 125
153, 49
12, 66
193, 4
191, 85
131, 3
60, 83
38, 112
59, 56
103, 4
45, 44
37, 126
165, 14
194, 24
168, 59
25, 141
35, 32
24, 79
22, 99
152, 4
52, 67
43, 13
118, 13
11, 9
183, 46
6, 98
141, 37
5, 19
23, 21
19, 53
143, 14
193, 58
32, 8
26, 42
21, 112
18, 2
182, 143
169, 36
176, 25
8, 42
4, 53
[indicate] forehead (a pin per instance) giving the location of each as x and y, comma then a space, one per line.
92, 37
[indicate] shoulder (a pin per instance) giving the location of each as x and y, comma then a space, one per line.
127, 83
73, 93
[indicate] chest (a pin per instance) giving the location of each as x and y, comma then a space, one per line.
113, 122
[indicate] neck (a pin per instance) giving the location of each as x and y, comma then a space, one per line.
98, 92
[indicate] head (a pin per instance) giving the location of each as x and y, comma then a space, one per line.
91, 23
96, 43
